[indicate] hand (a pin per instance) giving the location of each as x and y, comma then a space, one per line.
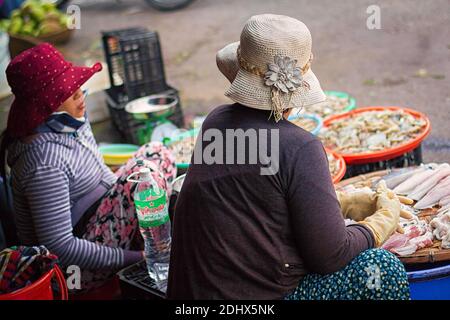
384, 221
360, 204
357, 205
382, 189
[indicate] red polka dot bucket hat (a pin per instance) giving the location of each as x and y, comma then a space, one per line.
41, 80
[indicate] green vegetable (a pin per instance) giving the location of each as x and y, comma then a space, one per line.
4, 25
27, 7
16, 14
64, 20
35, 18
28, 28
38, 14
49, 7
15, 26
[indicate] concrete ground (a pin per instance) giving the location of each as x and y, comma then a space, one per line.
405, 63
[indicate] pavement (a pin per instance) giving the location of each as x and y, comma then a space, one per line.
405, 63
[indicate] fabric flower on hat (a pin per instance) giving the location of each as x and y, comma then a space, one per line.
284, 75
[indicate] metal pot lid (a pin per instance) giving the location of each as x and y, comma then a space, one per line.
151, 104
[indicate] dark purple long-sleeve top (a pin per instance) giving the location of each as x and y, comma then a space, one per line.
242, 235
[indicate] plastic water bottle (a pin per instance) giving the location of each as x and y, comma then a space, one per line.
153, 216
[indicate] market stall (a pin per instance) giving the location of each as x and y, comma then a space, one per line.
376, 138
424, 245
363, 145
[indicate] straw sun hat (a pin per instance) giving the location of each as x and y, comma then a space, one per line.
270, 68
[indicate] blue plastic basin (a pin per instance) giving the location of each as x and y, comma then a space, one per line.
318, 120
430, 284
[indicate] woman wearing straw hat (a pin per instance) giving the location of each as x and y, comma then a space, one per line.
65, 197
239, 234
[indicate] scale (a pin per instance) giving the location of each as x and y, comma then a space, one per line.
153, 114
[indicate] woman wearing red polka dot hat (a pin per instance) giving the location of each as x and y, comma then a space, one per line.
65, 197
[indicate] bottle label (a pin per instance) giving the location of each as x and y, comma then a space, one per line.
153, 212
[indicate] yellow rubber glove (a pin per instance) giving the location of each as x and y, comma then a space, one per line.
361, 203
358, 204
384, 221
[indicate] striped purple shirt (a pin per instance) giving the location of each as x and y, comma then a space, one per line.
49, 175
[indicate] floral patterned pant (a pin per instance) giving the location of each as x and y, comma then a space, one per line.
115, 222
375, 274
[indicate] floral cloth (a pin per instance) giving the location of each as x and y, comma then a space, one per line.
375, 274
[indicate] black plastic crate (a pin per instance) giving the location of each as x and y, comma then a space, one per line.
135, 61
136, 284
130, 128
412, 158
